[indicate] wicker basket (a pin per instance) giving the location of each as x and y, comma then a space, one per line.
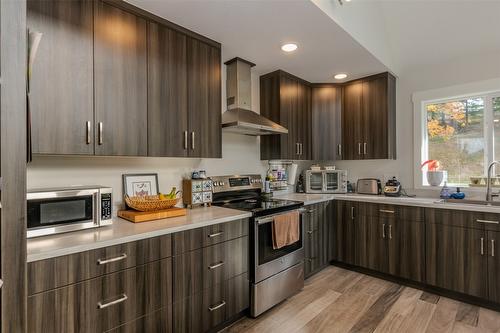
150, 203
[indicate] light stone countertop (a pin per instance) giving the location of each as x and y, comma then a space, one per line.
123, 231
310, 199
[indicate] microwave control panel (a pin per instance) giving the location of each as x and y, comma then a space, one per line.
105, 206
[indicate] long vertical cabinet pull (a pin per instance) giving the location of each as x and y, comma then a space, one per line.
297, 149
383, 230
364, 148
88, 132
390, 231
352, 213
492, 247
100, 133
185, 140
359, 148
339, 150
482, 246
192, 140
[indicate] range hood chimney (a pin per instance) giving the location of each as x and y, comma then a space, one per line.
239, 118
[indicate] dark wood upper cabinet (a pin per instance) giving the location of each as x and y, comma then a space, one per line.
369, 118
120, 66
286, 100
167, 92
61, 97
204, 99
326, 129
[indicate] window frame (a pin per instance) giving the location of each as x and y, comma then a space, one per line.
484, 89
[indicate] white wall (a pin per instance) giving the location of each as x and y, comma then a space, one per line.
457, 71
240, 154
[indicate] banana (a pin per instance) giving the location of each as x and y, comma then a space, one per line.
172, 193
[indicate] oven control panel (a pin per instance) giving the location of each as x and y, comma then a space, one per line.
236, 183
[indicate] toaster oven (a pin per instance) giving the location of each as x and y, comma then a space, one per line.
326, 181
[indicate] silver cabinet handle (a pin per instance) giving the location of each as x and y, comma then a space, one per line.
107, 261
489, 222
359, 148
100, 133
185, 140
386, 211
192, 140
310, 211
88, 132
216, 234
364, 148
310, 232
301, 149
352, 213
218, 306
492, 247
390, 231
383, 230
297, 148
214, 266
482, 246
339, 150
101, 305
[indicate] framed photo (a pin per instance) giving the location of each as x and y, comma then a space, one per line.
135, 185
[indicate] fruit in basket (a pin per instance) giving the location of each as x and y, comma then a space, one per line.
172, 193
162, 196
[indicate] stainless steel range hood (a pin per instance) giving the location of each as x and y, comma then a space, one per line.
239, 118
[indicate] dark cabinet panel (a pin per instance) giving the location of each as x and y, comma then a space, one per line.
316, 221
455, 259
491, 245
103, 303
343, 234
352, 121
65, 270
204, 99
326, 129
289, 110
61, 92
303, 121
158, 322
167, 92
120, 67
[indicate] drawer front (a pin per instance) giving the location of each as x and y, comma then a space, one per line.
206, 310
102, 303
463, 219
407, 213
159, 322
201, 237
200, 269
61, 271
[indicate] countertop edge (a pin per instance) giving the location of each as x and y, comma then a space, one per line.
131, 238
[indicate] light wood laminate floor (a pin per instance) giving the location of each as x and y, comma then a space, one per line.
339, 300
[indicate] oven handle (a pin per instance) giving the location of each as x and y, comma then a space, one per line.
270, 218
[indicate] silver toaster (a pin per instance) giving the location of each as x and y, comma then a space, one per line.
369, 186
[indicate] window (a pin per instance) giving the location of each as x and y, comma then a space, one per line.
463, 134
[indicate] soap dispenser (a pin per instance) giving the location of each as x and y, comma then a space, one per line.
458, 194
445, 192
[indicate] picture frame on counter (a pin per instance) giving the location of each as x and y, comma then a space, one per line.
140, 184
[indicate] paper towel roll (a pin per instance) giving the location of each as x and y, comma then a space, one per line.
292, 173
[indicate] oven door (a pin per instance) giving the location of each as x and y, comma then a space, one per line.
332, 182
314, 182
268, 261
56, 212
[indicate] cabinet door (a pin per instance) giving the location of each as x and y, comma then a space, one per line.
167, 92
316, 237
375, 119
204, 99
326, 123
454, 259
343, 245
61, 87
288, 115
376, 240
493, 266
406, 249
120, 63
352, 122
302, 121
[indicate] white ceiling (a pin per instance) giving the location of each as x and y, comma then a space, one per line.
423, 32
255, 30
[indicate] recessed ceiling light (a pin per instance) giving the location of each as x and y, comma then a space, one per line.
290, 47
340, 76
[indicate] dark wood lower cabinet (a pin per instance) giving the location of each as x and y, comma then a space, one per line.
103, 303
157, 322
207, 309
342, 234
316, 221
406, 253
454, 259
492, 244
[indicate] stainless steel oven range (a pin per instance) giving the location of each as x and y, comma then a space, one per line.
275, 274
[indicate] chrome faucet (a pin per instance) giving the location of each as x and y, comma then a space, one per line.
489, 195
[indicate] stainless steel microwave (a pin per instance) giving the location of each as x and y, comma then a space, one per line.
57, 210
326, 181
